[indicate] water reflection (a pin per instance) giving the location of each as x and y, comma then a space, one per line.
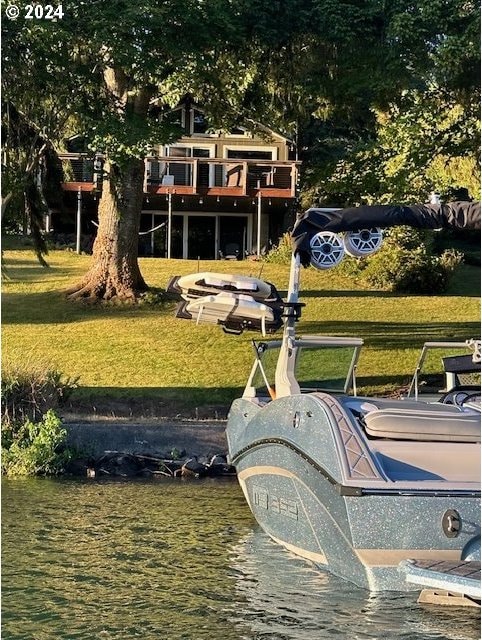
118, 560
180, 561
285, 598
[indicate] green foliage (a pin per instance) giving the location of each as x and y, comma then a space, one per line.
406, 263
282, 252
409, 238
411, 271
446, 172
132, 138
28, 392
32, 434
424, 143
425, 134
35, 448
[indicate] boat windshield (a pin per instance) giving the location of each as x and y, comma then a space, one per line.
320, 365
445, 366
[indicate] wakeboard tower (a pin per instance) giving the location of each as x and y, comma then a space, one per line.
362, 486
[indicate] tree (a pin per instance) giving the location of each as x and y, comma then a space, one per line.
101, 65
137, 55
426, 135
285, 63
38, 100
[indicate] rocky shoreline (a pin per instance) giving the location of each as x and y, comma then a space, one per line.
160, 448
118, 464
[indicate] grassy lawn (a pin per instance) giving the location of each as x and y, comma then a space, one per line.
124, 352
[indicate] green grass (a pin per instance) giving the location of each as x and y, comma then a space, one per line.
144, 352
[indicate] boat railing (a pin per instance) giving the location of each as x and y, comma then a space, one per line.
470, 346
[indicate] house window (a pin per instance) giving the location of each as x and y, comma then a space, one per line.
189, 151
182, 171
238, 132
259, 159
250, 154
175, 117
199, 122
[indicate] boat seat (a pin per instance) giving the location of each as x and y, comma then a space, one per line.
429, 423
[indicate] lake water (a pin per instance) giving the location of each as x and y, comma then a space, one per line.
170, 560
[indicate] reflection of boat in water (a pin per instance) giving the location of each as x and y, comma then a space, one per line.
355, 484
280, 596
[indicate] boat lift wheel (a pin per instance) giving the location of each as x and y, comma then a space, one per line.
363, 242
327, 250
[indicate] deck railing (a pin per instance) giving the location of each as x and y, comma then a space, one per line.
193, 176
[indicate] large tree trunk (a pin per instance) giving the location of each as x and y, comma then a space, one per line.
115, 273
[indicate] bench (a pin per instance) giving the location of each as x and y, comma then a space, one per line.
423, 424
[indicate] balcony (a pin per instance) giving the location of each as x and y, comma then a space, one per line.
78, 170
193, 176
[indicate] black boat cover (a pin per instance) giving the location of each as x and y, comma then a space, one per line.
450, 215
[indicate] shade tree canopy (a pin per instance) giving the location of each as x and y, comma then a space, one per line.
426, 135
343, 77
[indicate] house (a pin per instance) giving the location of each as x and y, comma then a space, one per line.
208, 195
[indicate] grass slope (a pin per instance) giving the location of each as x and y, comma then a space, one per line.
121, 352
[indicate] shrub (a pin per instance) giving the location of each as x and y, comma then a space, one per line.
413, 270
28, 392
35, 447
406, 263
282, 252
32, 434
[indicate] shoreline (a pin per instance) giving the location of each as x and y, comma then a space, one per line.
146, 447
200, 438
138, 409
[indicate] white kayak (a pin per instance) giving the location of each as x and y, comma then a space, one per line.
195, 285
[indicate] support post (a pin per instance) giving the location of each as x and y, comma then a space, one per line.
48, 222
258, 233
169, 224
194, 174
294, 179
244, 181
79, 218
147, 175
152, 235
285, 379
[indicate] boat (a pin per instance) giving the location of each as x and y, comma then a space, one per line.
358, 485
355, 484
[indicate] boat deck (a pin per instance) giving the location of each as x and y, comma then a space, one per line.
445, 582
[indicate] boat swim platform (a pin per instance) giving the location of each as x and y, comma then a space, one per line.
447, 583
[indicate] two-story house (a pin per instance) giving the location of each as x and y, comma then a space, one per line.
209, 195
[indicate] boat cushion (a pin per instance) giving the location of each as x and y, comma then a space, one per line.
423, 424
